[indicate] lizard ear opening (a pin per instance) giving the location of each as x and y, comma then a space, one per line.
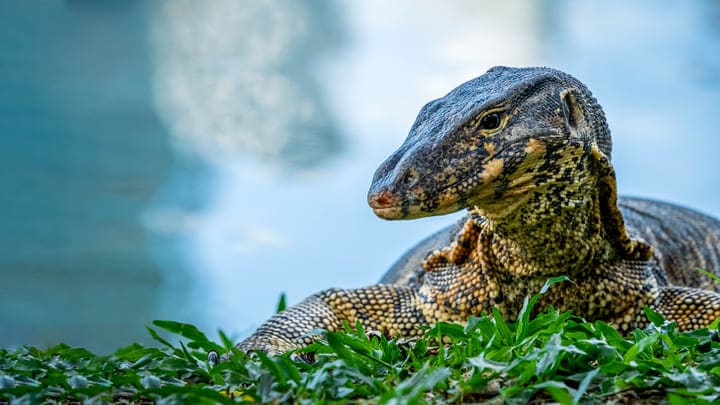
610, 215
571, 110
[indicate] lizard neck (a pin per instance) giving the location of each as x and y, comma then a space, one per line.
553, 231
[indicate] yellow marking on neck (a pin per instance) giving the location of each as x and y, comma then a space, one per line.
596, 152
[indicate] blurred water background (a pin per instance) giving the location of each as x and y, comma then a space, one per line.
190, 160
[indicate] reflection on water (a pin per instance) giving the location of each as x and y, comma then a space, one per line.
188, 160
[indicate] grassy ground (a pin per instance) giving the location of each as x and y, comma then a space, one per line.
550, 357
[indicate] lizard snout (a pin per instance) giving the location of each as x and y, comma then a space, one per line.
381, 200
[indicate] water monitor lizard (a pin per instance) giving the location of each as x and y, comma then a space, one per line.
527, 152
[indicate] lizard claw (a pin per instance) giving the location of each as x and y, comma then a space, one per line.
373, 333
307, 357
213, 358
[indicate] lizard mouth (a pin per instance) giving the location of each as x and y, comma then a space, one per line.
470, 190
449, 199
414, 212
384, 205
389, 213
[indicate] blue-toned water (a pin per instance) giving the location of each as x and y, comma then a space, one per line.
191, 160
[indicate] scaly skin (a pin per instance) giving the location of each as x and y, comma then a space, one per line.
527, 152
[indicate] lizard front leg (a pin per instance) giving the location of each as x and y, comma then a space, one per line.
391, 310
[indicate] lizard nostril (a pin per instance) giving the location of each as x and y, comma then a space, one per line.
381, 200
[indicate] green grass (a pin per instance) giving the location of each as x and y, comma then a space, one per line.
550, 357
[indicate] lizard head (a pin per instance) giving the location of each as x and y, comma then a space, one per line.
490, 143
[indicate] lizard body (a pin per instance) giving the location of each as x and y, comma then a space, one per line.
527, 152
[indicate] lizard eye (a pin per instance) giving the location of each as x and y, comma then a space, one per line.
490, 121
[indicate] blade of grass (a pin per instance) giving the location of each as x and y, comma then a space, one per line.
711, 275
503, 329
282, 303
584, 384
529, 304
164, 342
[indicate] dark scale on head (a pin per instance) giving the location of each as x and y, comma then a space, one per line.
527, 151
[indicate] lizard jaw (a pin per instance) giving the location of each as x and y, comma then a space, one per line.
392, 204
389, 213
395, 213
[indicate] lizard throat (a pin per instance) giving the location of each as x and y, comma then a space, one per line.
546, 234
